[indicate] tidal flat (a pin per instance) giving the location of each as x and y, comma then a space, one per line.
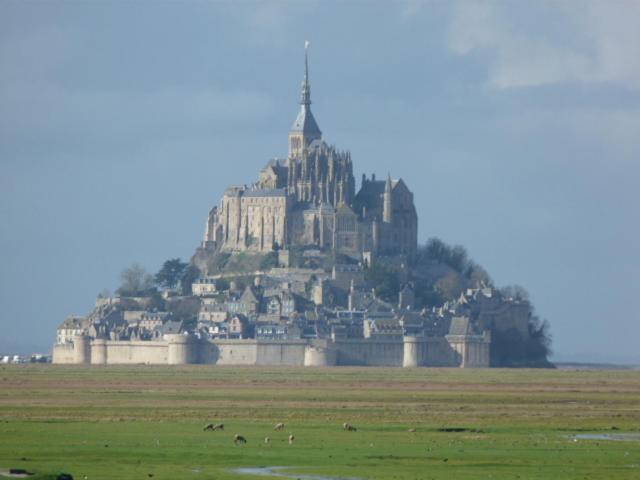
133, 422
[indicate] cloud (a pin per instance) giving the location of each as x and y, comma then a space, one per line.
531, 44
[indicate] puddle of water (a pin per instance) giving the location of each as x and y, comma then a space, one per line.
608, 436
282, 473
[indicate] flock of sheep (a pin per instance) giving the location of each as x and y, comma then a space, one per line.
239, 439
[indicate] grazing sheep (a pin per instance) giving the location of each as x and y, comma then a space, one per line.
412, 430
291, 439
239, 439
213, 428
279, 426
349, 428
267, 440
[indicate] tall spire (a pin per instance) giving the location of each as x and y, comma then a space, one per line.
304, 129
305, 96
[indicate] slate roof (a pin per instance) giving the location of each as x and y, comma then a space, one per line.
370, 193
305, 122
249, 296
170, 326
460, 326
74, 323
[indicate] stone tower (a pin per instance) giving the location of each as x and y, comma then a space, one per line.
316, 173
387, 210
305, 129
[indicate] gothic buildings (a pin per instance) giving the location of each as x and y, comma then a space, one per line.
309, 198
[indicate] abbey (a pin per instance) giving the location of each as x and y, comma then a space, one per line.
301, 268
309, 198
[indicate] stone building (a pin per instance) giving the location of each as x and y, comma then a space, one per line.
306, 208
309, 198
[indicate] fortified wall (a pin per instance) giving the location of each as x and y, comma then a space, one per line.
469, 351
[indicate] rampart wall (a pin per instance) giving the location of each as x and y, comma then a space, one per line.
180, 350
63, 353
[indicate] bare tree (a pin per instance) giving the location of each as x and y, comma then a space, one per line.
135, 281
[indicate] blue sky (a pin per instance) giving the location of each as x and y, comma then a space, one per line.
516, 124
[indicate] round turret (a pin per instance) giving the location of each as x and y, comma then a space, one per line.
180, 349
81, 349
319, 356
99, 352
411, 350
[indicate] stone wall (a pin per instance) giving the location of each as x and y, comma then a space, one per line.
128, 352
453, 351
367, 352
472, 351
63, 353
228, 352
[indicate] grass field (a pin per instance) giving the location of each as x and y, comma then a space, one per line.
134, 422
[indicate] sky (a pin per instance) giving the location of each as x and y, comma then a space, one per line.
516, 124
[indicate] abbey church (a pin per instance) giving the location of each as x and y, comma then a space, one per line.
302, 267
309, 198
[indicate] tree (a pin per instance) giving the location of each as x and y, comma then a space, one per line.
135, 282
477, 275
510, 348
269, 261
171, 273
426, 294
436, 251
157, 303
385, 281
222, 284
449, 286
190, 275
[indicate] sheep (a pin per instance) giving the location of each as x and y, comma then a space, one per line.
412, 430
349, 428
291, 439
267, 440
279, 426
212, 427
239, 439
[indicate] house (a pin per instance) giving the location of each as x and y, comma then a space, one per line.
204, 286
238, 326
71, 327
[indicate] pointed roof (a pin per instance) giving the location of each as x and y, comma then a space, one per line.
249, 296
460, 326
305, 122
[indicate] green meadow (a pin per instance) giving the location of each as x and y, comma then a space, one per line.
135, 422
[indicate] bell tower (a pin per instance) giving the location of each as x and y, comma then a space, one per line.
304, 129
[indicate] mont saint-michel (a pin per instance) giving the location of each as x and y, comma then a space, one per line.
305, 266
